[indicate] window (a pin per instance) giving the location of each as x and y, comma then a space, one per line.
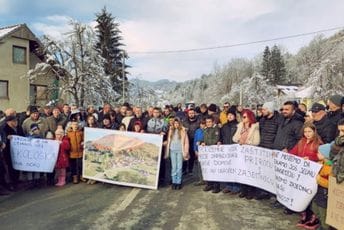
38, 93
4, 89
19, 55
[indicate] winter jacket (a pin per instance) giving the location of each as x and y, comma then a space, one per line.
227, 132
156, 125
41, 122
337, 157
184, 141
268, 129
288, 133
76, 139
321, 196
63, 156
326, 129
211, 136
304, 149
191, 126
223, 117
126, 121
53, 122
335, 116
253, 137
199, 136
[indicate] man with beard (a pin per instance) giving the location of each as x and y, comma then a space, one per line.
325, 128
289, 131
191, 124
268, 126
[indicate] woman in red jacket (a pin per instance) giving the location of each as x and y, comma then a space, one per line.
63, 157
308, 148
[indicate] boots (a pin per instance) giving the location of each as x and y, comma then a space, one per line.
313, 223
75, 179
303, 220
61, 178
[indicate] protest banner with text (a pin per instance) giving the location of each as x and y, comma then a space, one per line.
34, 155
291, 178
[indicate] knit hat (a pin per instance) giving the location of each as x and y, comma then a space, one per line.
212, 108
33, 127
232, 111
270, 106
336, 99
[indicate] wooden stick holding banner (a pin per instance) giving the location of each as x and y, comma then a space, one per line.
34, 155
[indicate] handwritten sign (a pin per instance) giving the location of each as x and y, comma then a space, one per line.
335, 205
33, 155
291, 178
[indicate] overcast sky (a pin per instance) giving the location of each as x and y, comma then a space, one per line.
157, 25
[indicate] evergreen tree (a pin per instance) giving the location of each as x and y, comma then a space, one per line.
266, 67
278, 71
110, 47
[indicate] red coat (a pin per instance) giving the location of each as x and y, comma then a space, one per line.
304, 149
63, 157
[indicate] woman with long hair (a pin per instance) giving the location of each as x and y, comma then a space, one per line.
247, 134
177, 148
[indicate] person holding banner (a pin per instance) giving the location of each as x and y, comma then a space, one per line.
308, 148
247, 134
63, 157
226, 137
177, 149
211, 136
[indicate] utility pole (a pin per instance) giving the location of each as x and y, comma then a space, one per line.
123, 76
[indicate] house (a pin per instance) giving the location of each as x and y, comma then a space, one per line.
20, 51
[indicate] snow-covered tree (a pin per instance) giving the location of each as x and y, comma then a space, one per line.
77, 66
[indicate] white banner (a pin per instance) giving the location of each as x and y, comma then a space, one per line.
34, 155
291, 178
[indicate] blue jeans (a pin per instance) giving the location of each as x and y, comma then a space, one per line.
177, 166
233, 187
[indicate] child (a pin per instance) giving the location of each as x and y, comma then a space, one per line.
199, 136
138, 127
63, 157
76, 137
177, 148
122, 127
211, 137
34, 177
307, 148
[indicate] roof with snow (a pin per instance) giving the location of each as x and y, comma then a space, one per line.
287, 89
5, 31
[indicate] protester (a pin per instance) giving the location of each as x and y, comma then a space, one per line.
76, 137
247, 134
211, 136
177, 148
62, 162
308, 148
227, 133
325, 128
91, 121
223, 114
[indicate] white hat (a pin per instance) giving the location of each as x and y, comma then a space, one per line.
270, 105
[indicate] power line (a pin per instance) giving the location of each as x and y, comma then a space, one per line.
234, 45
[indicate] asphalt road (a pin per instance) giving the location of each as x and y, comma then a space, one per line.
105, 206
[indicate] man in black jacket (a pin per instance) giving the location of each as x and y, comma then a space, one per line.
268, 127
191, 124
289, 131
325, 128
335, 109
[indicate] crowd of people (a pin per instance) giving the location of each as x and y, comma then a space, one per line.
291, 128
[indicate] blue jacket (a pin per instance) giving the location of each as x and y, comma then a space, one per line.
198, 138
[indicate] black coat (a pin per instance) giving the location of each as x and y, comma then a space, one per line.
227, 132
268, 129
289, 132
326, 129
191, 126
335, 116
